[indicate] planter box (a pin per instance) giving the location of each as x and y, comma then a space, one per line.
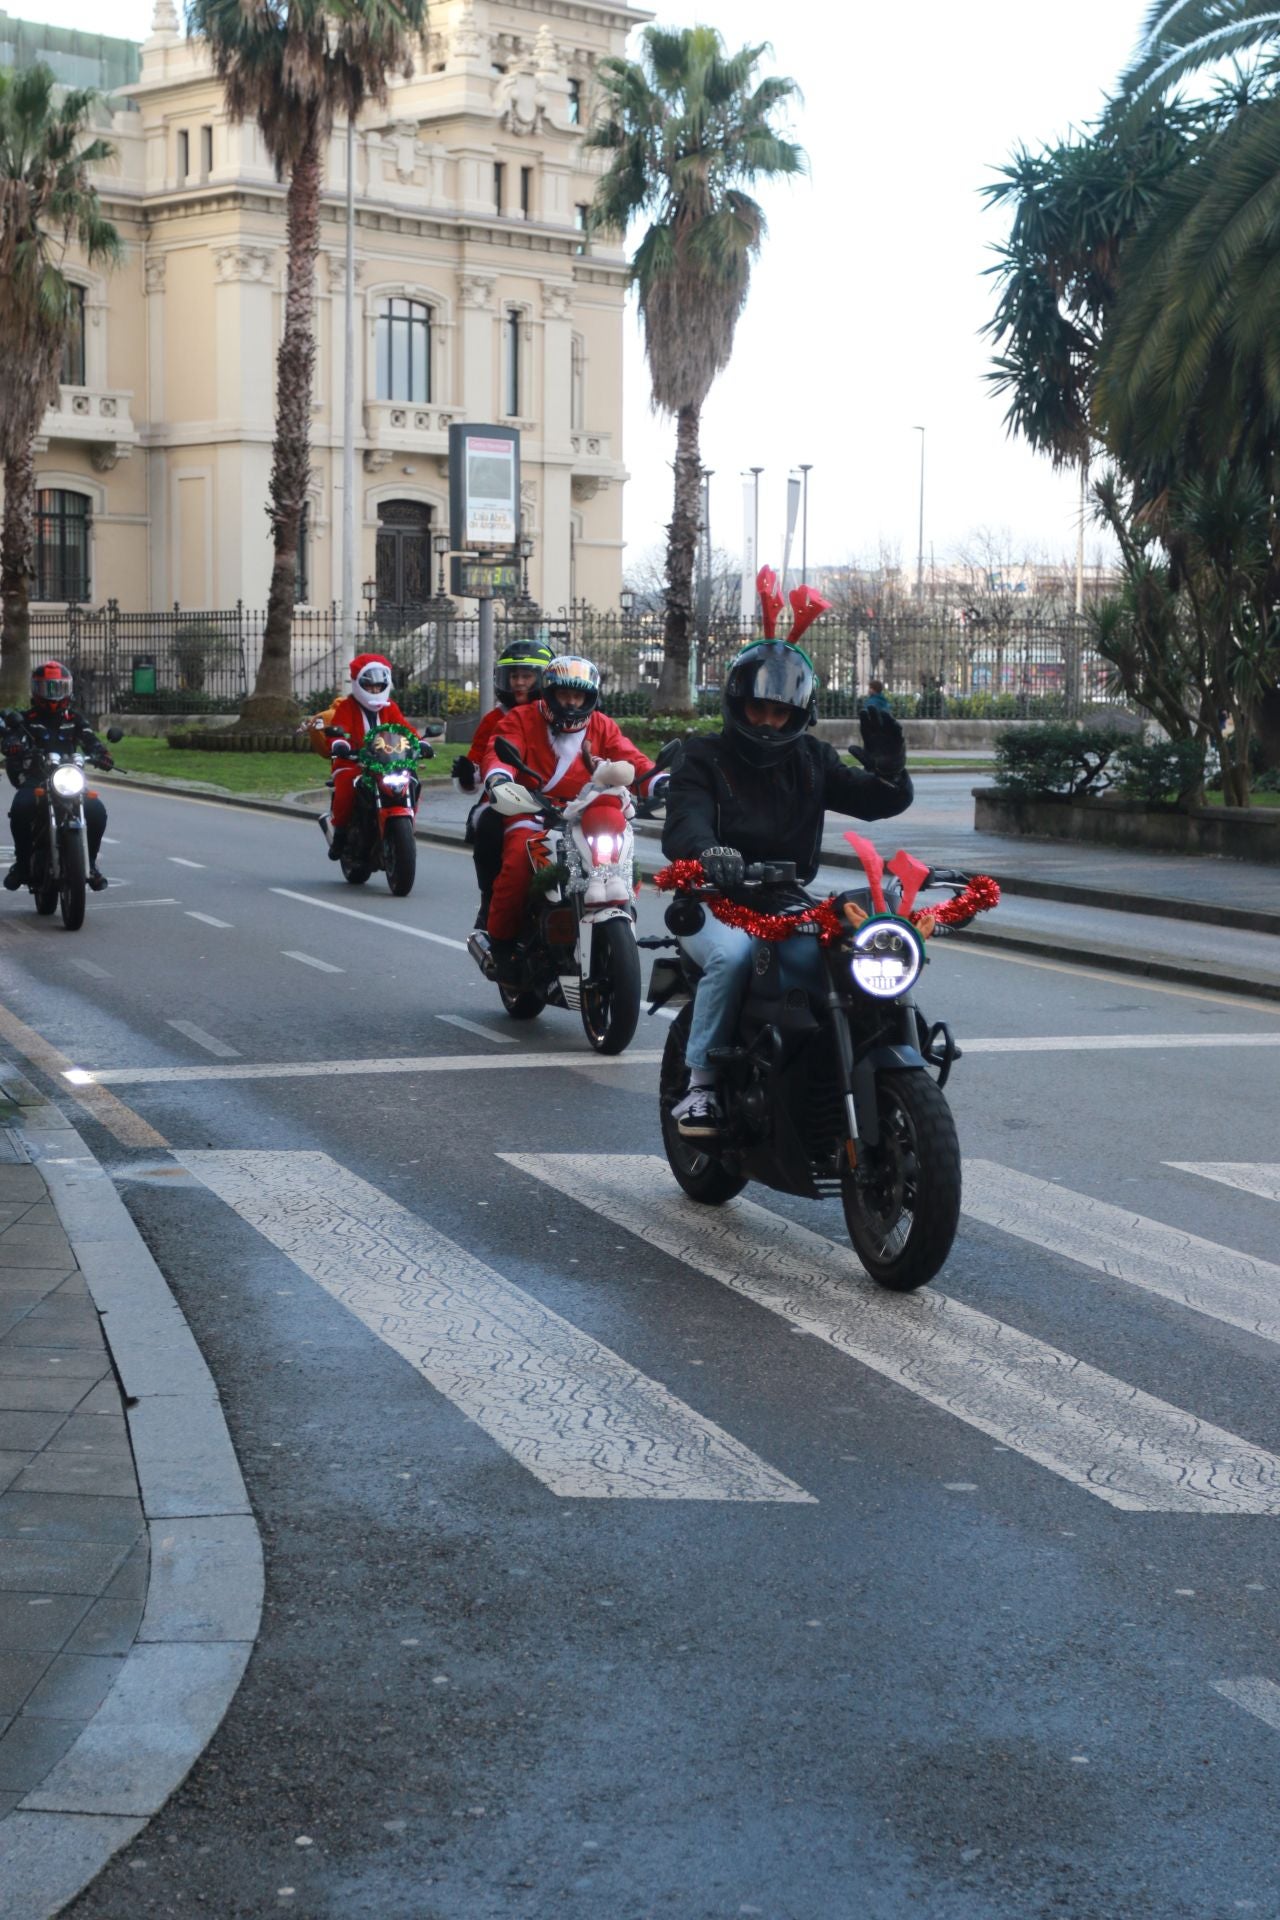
1232, 833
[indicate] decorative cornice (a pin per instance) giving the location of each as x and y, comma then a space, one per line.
243, 263
475, 290
557, 300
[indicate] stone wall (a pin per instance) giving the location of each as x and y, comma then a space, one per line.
1232, 833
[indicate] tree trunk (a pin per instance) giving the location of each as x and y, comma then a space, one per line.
271, 704
17, 572
682, 542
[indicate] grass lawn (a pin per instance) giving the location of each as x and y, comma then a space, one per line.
269, 775
1256, 799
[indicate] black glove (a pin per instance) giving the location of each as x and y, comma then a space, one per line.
723, 867
883, 750
104, 761
466, 773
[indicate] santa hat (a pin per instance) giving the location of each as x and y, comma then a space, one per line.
363, 660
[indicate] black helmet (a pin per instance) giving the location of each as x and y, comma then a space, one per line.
529, 655
769, 670
569, 672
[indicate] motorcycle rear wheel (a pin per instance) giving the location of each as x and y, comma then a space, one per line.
354, 872
521, 1003
903, 1225
400, 856
74, 882
700, 1175
611, 1003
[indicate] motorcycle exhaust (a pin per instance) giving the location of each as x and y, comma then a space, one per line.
478, 948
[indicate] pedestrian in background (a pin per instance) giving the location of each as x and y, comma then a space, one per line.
876, 697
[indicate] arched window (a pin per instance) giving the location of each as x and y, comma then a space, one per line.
403, 554
404, 350
72, 370
62, 545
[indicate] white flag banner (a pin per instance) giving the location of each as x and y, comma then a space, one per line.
793, 514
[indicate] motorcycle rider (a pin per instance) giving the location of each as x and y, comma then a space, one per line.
356, 712
517, 679
550, 735
49, 724
759, 791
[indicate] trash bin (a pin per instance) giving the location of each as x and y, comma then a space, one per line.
144, 673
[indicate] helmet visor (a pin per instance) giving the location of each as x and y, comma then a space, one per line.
51, 687
781, 674
375, 680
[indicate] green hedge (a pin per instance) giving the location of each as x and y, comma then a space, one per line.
1062, 763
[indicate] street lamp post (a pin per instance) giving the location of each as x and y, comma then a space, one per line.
755, 534
920, 548
806, 468
349, 404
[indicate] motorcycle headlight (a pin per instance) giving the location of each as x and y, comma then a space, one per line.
604, 847
887, 957
394, 782
67, 782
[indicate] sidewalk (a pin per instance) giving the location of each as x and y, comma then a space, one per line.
130, 1564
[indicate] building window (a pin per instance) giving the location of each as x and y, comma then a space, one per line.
580, 213
404, 351
499, 185
578, 384
511, 364
403, 563
302, 579
206, 152
526, 191
575, 103
72, 370
62, 546
184, 154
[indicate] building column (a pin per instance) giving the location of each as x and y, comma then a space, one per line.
475, 297
557, 443
246, 332
158, 585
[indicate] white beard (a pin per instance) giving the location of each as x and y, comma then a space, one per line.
372, 702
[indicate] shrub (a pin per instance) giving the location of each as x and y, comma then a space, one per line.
1042, 763
1165, 773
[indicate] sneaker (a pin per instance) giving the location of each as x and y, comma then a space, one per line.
697, 1116
14, 879
97, 881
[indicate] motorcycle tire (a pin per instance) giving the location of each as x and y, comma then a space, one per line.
354, 872
73, 885
611, 1003
522, 1003
700, 1174
903, 1225
46, 896
400, 856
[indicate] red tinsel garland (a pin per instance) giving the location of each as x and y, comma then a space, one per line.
981, 894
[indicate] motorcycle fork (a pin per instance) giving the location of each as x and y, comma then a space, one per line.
867, 1130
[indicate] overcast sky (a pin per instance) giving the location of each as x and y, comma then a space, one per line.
864, 313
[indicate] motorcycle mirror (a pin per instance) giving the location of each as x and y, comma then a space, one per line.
670, 754
426, 751
506, 753
114, 734
432, 729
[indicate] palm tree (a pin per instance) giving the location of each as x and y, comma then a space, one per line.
688, 128
46, 205
292, 66
1183, 37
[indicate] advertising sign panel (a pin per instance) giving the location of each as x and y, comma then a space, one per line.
484, 496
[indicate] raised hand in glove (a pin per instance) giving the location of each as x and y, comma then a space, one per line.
466, 773
883, 750
104, 761
723, 867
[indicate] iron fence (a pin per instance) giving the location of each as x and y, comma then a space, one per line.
932, 664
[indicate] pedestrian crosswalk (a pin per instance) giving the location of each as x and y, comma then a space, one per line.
586, 1423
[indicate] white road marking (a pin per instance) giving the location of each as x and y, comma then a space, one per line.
207, 919
473, 1026
373, 919
581, 1419
1260, 1177
1117, 1042
90, 967
105, 906
1217, 1281
107, 841
209, 1041
1131, 1450
178, 861
309, 960
1256, 1695
321, 1069
1136, 981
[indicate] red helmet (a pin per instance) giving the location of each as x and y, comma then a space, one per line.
51, 684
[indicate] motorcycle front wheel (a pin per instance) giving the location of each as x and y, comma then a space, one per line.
611, 1000
701, 1176
400, 856
903, 1219
45, 889
73, 882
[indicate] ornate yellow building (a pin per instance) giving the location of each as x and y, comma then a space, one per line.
477, 297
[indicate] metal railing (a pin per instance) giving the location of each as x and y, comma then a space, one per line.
932, 664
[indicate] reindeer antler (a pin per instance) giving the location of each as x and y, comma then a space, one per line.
807, 605
770, 600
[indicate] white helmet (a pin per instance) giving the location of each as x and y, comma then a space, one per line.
371, 681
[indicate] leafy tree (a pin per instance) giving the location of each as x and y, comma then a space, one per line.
688, 128
47, 204
292, 66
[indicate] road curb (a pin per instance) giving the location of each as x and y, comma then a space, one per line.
204, 1597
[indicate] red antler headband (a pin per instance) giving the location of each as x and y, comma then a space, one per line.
770, 600
807, 605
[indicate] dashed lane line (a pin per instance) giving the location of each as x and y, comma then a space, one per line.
178, 861
309, 960
1257, 1696
373, 919
474, 1026
321, 1069
1103, 1435
208, 920
580, 1418
209, 1041
1246, 1176
90, 967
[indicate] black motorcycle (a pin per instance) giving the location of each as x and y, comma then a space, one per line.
59, 873
380, 834
827, 1094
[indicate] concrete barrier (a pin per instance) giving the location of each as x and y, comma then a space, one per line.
1231, 833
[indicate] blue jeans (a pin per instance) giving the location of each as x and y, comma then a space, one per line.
724, 955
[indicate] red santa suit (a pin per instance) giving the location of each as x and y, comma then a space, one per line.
355, 716
556, 759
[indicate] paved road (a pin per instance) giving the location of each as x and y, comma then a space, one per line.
626, 1561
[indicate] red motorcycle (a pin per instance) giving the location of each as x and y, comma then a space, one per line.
380, 832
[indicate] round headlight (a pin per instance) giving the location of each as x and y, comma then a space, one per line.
67, 781
887, 958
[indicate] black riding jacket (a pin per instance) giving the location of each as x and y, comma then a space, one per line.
716, 799
36, 730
